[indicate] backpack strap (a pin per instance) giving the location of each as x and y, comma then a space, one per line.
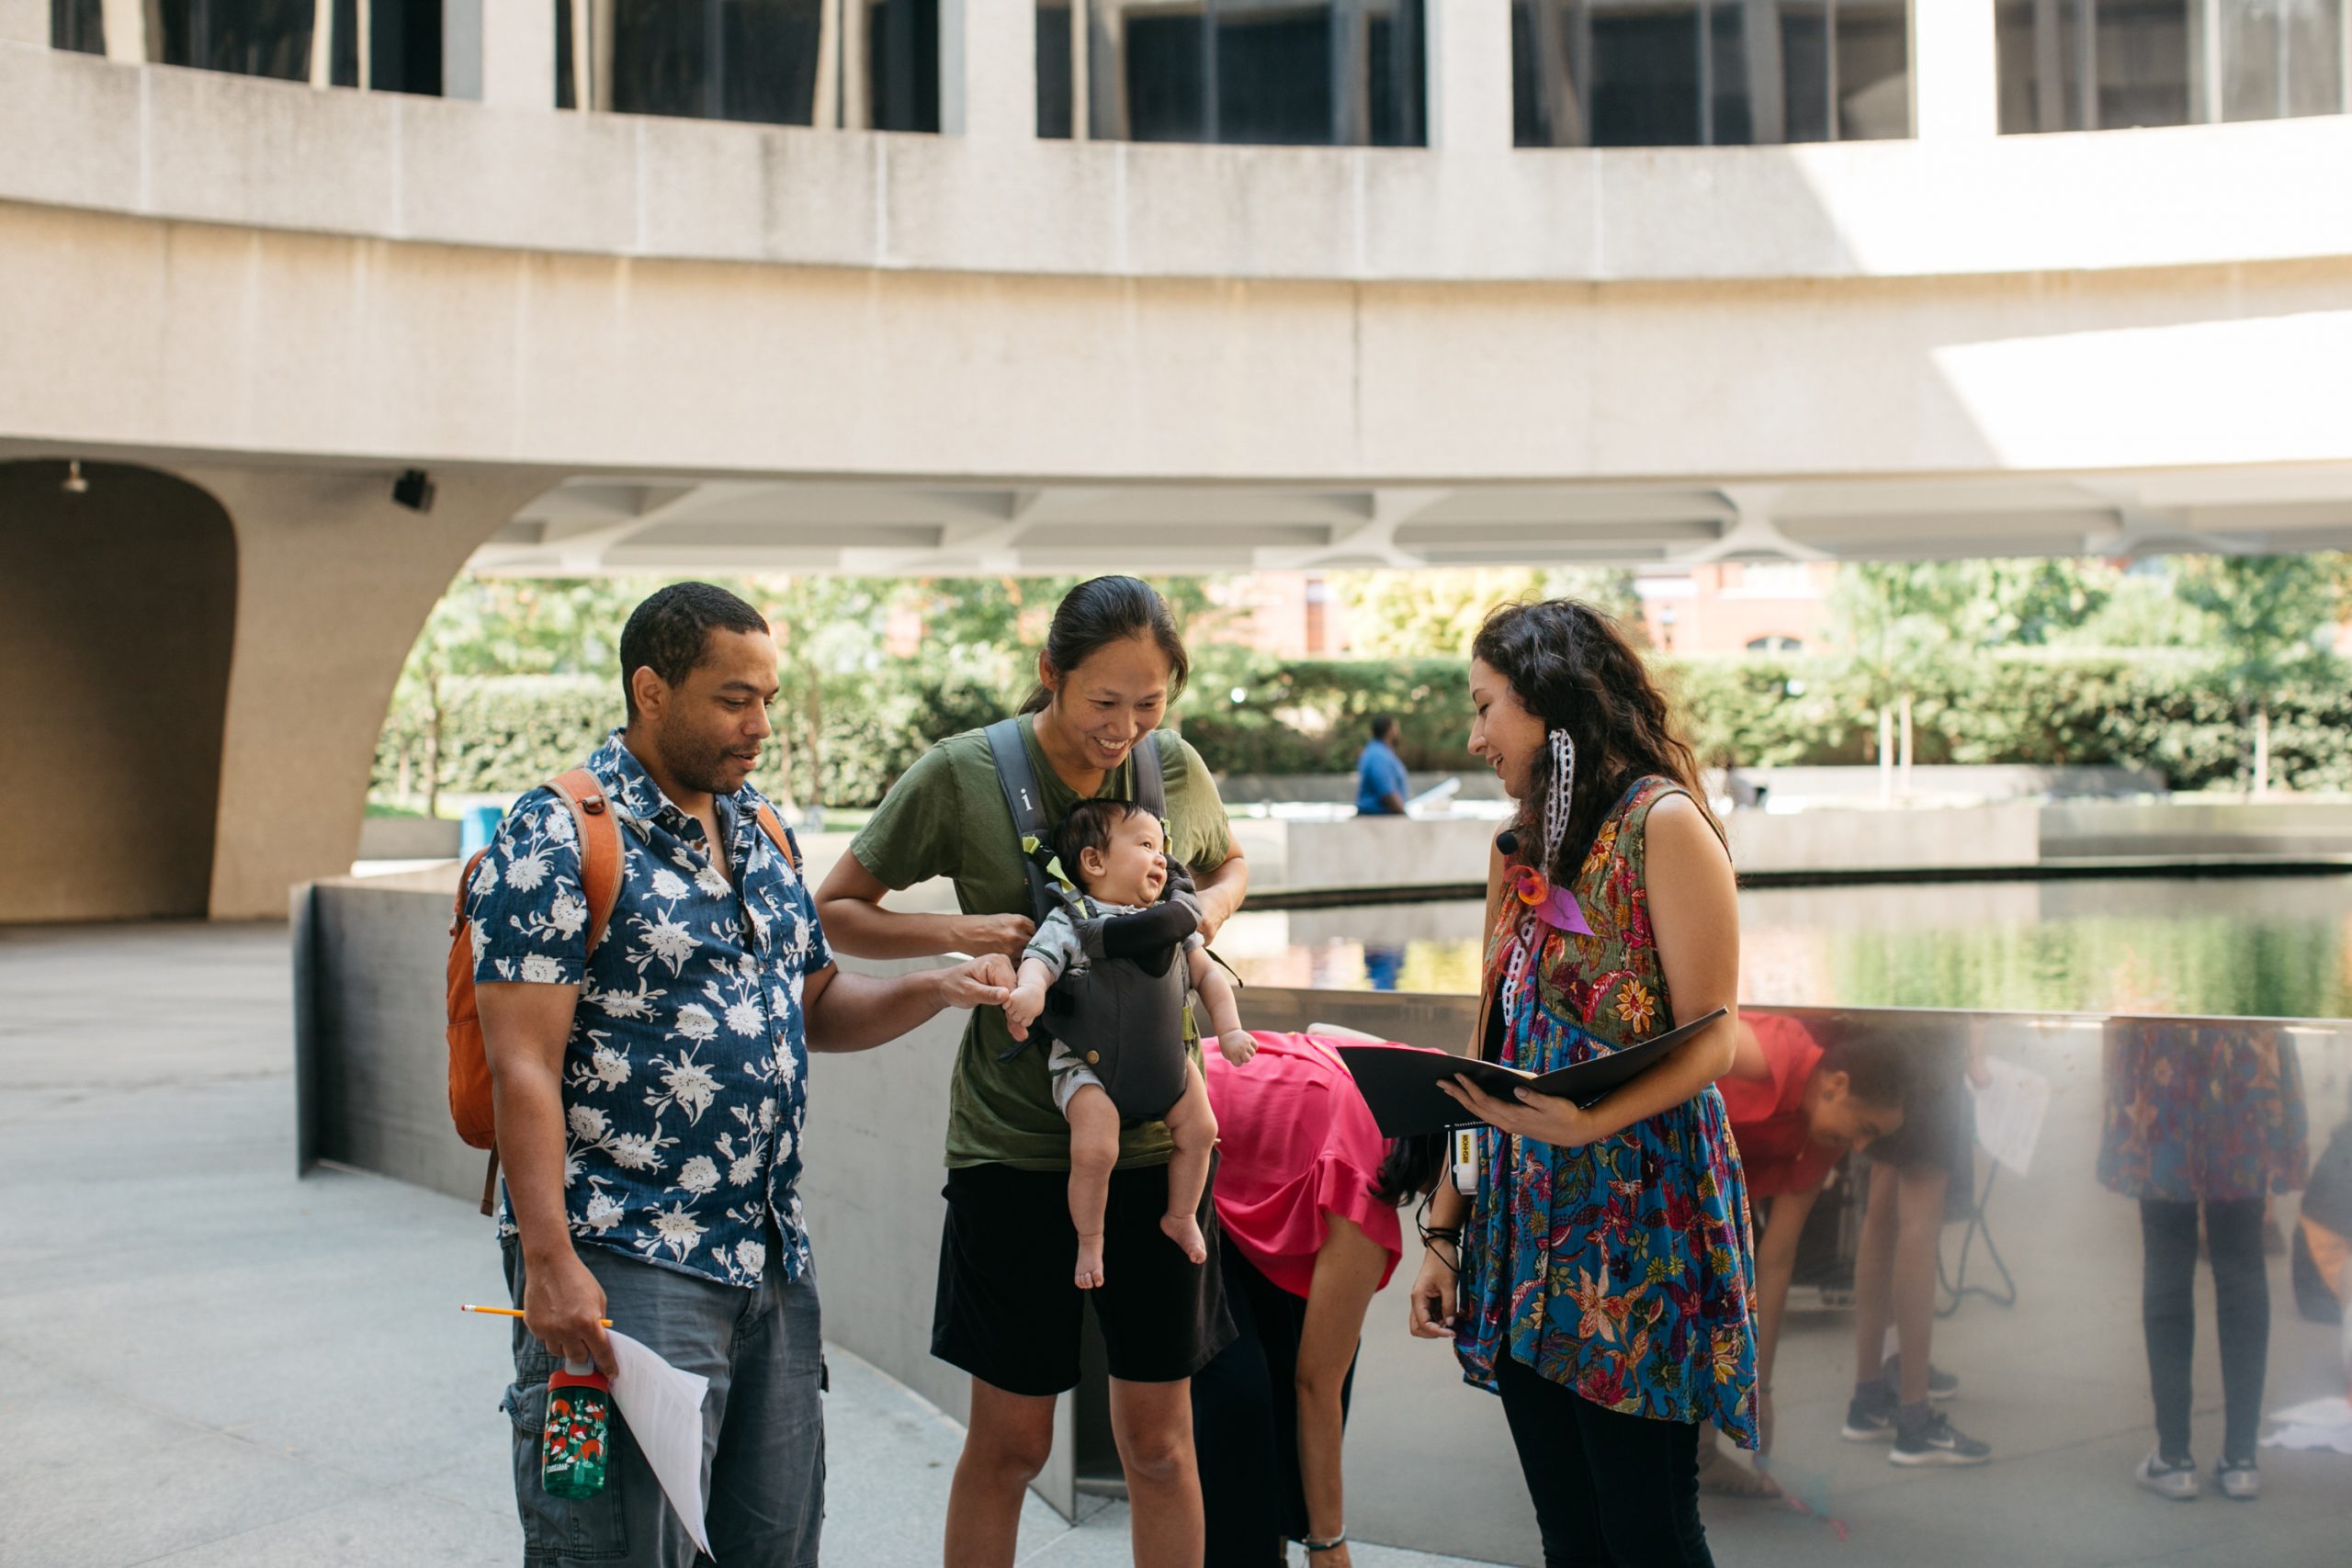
780, 835
600, 846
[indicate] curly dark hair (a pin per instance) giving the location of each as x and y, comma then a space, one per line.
1572, 667
670, 632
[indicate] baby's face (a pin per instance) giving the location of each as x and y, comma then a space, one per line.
1133, 868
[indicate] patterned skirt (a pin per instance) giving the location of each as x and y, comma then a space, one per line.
1620, 1270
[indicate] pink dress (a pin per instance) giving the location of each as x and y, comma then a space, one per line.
1295, 1142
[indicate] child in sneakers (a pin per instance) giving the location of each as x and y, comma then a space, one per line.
1117, 853
1913, 1175
1796, 1109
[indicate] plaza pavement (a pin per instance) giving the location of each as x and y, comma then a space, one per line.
206, 1361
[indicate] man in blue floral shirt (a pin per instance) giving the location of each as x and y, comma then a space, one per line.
651, 1096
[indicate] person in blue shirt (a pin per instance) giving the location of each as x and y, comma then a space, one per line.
1380, 773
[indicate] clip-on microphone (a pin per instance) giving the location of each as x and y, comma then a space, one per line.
1507, 842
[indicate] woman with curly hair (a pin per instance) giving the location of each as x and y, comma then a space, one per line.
1598, 1279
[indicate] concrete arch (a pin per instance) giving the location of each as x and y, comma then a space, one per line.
118, 616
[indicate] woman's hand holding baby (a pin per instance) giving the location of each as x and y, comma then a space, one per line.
1237, 1045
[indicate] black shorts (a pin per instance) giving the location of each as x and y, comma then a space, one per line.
1939, 1129
1009, 1304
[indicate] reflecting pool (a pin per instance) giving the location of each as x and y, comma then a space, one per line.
2259, 946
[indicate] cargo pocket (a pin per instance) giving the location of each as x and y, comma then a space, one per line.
560, 1530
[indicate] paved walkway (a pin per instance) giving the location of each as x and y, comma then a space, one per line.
206, 1361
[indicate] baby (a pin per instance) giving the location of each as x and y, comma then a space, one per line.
1118, 853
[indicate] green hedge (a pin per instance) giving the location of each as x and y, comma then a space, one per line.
2148, 708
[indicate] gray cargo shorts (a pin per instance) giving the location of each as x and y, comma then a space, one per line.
763, 1423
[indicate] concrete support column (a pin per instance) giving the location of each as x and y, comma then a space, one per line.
518, 54
1955, 70
1470, 78
988, 68
126, 25
333, 581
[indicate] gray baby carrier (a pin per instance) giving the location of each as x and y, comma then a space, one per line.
1123, 1013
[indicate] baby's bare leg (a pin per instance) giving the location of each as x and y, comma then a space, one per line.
1093, 1150
1193, 1127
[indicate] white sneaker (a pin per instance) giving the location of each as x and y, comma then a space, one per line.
2177, 1481
2238, 1479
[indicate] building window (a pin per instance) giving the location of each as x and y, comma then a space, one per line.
78, 25
248, 37
1709, 73
767, 62
400, 53
1775, 644
1306, 73
2109, 64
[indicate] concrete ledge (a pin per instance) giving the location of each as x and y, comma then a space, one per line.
165, 141
409, 837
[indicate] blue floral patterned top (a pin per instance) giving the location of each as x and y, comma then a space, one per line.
685, 1081
1621, 1270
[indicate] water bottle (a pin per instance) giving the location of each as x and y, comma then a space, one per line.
577, 1440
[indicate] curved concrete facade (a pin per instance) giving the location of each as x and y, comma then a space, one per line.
642, 344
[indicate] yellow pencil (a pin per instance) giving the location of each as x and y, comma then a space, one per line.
510, 1311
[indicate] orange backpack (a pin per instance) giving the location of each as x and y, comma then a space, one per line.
600, 882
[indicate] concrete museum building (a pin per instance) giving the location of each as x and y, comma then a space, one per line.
304, 304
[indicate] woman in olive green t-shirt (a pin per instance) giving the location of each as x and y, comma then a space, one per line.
1008, 1310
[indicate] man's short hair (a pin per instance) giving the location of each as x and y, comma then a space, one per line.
670, 632
1088, 826
1383, 725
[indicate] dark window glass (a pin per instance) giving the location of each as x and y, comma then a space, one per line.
767, 61
1732, 103
78, 25
1806, 89
758, 61
1167, 76
902, 65
403, 43
1719, 73
2142, 64
1274, 78
1055, 82
1643, 64
1281, 72
247, 38
565, 97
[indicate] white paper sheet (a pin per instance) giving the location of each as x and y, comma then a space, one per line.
2009, 1112
663, 1408
2314, 1424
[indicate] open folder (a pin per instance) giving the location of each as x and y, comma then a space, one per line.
1399, 1082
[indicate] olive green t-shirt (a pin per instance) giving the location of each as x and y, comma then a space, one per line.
947, 817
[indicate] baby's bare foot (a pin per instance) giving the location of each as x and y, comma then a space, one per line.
1089, 1262
1185, 1232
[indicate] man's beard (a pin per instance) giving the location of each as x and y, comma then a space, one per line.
698, 766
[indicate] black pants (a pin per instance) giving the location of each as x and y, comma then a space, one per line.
2241, 1307
1245, 1423
1610, 1491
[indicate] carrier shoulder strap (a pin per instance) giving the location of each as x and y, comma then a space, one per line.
1019, 781
1151, 789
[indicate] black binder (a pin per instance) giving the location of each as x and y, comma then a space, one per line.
1399, 1082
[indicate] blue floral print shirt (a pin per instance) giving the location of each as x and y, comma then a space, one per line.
684, 1080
